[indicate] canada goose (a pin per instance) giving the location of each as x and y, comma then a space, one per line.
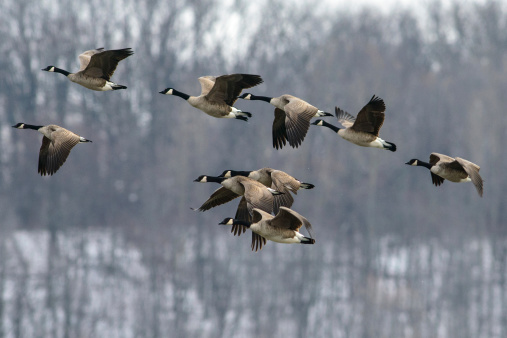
97, 67
57, 143
255, 195
364, 129
275, 179
282, 228
443, 167
218, 94
292, 118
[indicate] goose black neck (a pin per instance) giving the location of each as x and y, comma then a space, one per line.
260, 98
330, 126
240, 173
240, 222
424, 164
61, 71
31, 126
180, 94
215, 179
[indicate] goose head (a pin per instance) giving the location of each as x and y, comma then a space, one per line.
245, 96
227, 221
201, 179
167, 91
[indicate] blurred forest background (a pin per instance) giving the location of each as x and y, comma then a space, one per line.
108, 246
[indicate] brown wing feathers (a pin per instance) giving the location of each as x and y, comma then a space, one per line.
279, 132
371, 117
104, 64
53, 154
220, 196
228, 87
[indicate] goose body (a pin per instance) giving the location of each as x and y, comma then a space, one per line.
218, 94
292, 118
363, 130
97, 67
282, 228
458, 170
275, 179
57, 143
256, 194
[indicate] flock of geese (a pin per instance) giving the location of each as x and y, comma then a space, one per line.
264, 191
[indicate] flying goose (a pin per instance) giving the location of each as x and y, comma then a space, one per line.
364, 129
97, 67
255, 195
57, 143
218, 94
282, 228
458, 170
275, 179
292, 118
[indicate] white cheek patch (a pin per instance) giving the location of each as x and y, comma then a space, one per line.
52, 69
169, 92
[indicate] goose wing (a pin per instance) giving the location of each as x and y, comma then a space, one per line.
257, 196
285, 183
290, 219
53, 153
472, 170
243, 215
220, 196
344, 118
257, 240
279, 131
437, 180
298, 114
207, 82
84, 58
103, 64
371, 117
228, 87
434, 159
